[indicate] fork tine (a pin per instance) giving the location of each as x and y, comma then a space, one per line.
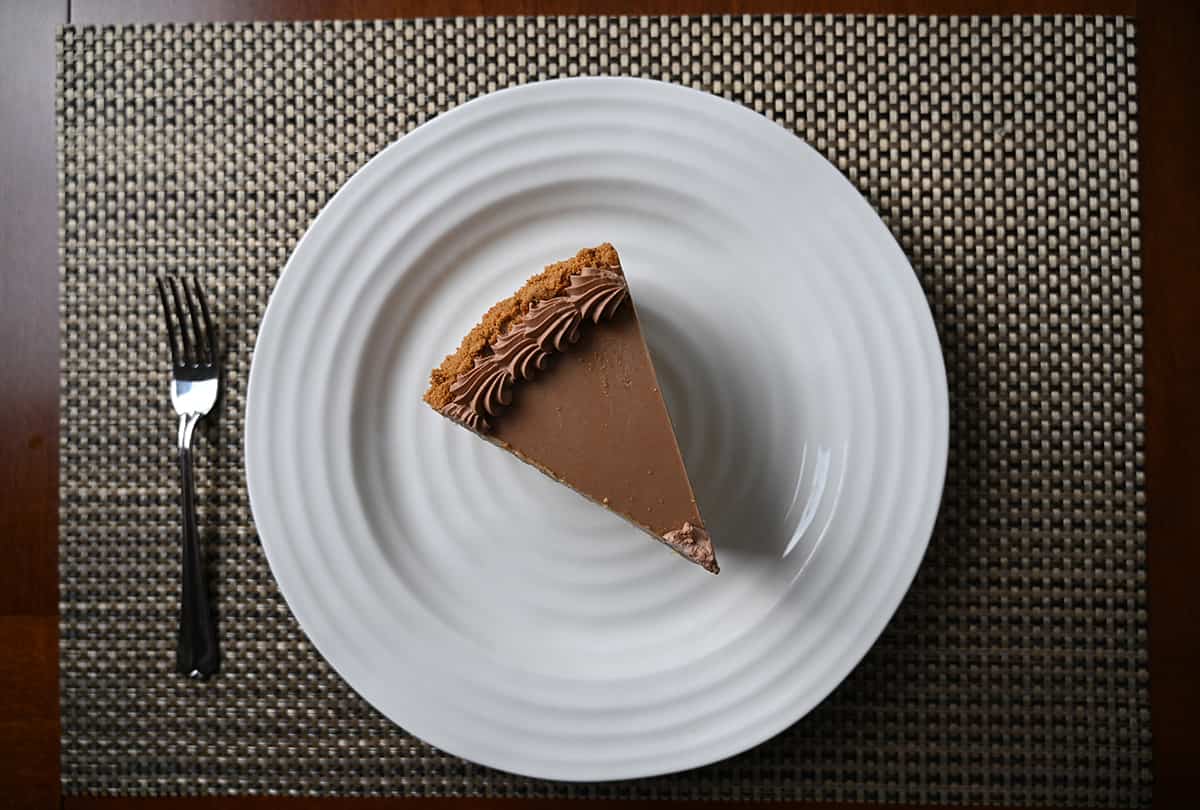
168, 320
208, 324
182, 319
201, 344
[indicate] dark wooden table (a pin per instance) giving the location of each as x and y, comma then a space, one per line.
1169, 98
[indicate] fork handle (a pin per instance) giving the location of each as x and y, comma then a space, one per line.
196, 655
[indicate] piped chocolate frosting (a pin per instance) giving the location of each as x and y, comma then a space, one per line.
550, 325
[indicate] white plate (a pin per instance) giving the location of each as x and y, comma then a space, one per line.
498, 615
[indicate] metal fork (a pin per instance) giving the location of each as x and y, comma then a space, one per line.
195, 382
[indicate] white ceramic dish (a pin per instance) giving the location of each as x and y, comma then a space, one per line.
498, 615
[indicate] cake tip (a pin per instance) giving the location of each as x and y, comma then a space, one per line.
694, 543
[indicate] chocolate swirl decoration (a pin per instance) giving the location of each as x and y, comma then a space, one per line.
483, 389
552, 324
597, 292
519, 354
463, 414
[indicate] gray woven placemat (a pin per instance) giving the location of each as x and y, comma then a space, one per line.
1002, 153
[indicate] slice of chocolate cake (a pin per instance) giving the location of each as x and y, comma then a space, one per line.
559, 375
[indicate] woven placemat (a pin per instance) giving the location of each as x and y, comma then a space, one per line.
1002, 154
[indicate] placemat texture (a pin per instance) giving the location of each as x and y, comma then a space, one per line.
1002, 154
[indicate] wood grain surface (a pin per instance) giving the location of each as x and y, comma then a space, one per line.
1169, 97
29, 730
1169, 120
